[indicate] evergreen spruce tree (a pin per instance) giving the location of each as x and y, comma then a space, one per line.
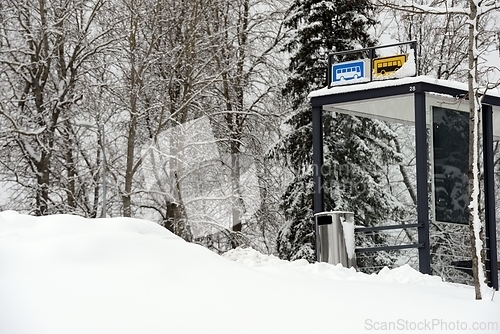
355, 149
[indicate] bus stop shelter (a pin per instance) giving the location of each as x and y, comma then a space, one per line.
413, 100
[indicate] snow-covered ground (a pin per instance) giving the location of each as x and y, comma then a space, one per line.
67, 274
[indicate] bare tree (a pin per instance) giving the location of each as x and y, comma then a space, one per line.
148, 72
44, 46
251, 32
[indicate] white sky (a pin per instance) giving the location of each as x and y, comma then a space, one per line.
67, 274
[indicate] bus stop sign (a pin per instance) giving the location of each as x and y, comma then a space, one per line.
383, 66
348, 71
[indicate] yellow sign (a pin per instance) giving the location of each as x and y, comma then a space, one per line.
388, 65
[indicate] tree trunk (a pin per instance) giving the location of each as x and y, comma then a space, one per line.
475, 224
132, 127
42, 192
127, 195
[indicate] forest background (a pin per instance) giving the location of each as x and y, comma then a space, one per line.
194, 114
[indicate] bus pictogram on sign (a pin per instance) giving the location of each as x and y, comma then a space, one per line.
388, 65
348, 71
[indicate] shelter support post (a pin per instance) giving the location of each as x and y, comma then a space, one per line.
489, 197
317, 134
424, 257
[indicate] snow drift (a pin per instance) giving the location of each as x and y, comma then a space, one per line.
67, 274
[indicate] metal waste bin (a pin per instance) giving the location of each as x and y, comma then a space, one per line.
335, 238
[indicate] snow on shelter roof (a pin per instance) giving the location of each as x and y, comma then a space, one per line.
397, 82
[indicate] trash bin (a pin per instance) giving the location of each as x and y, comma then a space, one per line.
335, 238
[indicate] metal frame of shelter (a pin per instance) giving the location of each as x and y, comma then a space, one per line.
419, 89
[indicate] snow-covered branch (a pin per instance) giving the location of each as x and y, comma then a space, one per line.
406, 6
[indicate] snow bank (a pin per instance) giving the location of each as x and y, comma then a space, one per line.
66, 274
63, 225
405, 274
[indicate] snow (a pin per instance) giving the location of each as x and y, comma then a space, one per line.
435, 10
396, 82
68, 274
409, 67
348, 228
407, 70
85, 124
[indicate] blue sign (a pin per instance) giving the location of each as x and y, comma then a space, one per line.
351, 70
